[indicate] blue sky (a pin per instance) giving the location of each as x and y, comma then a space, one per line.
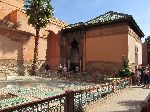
72, 11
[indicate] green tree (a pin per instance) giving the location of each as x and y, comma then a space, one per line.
125, 72
39, 12
125, 62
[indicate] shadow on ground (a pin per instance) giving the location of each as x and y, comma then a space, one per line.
132, 105
141, 87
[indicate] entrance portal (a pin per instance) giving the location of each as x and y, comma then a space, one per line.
74, 55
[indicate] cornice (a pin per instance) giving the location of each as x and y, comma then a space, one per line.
115, 30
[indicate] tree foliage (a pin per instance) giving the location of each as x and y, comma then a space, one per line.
39, 12
125, 71
125, 62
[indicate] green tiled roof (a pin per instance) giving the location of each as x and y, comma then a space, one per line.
109, 17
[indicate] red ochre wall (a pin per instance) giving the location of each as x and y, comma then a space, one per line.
107, 48
8, 6
16, 45
144, 54
53, 51
48, 49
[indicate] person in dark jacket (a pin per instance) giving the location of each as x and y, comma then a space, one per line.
142, 75
146, 77
47, 69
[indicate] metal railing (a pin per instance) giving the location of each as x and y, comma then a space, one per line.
51, 104
91, 95
71, 101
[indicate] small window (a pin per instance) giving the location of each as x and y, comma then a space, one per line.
136, 49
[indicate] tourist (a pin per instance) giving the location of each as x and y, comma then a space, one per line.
77, 69
142, 75
47, 69
146, 77
134, 77
64, 69
60, 69
138, 76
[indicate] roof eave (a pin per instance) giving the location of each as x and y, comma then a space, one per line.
133, 24
137, 28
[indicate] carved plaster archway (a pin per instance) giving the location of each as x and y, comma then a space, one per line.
74, 54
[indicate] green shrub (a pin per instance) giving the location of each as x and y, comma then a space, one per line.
125, 72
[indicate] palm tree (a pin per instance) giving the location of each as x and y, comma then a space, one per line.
39, 12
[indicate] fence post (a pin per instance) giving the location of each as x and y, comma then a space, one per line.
113, 87
69, 101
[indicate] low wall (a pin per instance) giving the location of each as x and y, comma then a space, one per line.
14, 67
106, 68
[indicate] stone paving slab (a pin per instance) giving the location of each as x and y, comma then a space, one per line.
128, 100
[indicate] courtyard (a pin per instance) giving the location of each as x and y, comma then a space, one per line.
78, 56
17, 90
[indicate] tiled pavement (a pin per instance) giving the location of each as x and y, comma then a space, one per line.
128, 100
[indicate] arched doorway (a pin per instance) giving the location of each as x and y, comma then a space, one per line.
74, 55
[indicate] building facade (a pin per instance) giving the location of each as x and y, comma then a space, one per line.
97, 44
146, 52
100, 43
14, 21
17, 37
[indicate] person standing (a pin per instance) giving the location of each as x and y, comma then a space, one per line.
77, 69
142, 75
59, 70
146, 77
138, 76
64, 71
47, 69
